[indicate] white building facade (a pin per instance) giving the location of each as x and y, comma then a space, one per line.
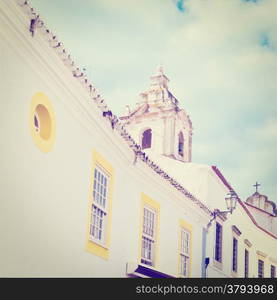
239, 245
87, 194
73, 200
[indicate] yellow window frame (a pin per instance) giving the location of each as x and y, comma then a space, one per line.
149, 202
92, 246
184, 225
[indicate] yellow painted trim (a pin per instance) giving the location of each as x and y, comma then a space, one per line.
147, 201
261, 257
40, 104
262, 254
91, 246
188, 227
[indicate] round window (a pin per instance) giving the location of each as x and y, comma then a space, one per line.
42, 122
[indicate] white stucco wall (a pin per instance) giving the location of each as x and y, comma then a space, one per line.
165, 127
261, 242
44, 196
262, 218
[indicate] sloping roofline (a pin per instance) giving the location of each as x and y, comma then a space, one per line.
259, 209
227, 184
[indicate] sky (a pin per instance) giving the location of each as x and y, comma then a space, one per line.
220, 57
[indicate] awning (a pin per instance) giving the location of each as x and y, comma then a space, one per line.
145, 272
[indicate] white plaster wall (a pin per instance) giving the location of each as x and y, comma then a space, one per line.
274, 224
216, 192
165, 133
157, 127
262, 218
44, 197
260, 242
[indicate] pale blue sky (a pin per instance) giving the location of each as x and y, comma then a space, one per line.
221, 58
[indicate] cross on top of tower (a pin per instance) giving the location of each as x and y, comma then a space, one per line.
256, 186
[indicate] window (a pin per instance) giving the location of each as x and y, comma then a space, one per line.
218, 243
235, 255
260, 268
149, 231
148, 236
99, 207
42, 122
181, 144
146, 139
246, 263
185, 253
272, 271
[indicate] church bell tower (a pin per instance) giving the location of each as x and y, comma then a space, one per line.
158, 124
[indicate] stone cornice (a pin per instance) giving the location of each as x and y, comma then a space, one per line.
236, 230
260, 253
247, 243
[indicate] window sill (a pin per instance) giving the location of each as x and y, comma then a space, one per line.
91, 240
234, 274
147, 266
217, 264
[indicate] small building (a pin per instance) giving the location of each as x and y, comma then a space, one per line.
243, 244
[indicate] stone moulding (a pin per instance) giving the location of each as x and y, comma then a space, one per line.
261, 253
248, 243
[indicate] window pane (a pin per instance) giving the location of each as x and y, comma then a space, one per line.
146, 139
181, 144
260, 268
184, 255
185, 242
97, 223
148, 222
235, 256
148, 237
218, 243
101, 179
272, 272
184, 265
98, 215
99, 191
246, 264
